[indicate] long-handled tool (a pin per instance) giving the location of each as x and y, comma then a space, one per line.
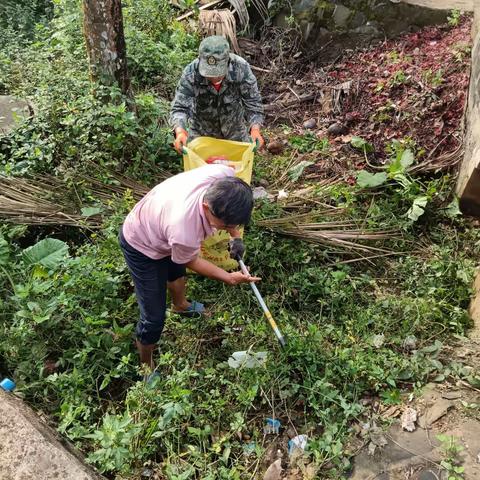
265, 309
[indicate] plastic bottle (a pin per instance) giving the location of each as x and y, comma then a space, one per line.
7, 385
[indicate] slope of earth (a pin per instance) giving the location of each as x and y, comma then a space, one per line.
412, 87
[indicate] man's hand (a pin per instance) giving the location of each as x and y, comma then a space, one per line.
236, 248
256, 136
240, 277
181, 137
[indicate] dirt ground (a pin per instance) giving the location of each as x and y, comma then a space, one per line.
384, 450
414, 86
449, 408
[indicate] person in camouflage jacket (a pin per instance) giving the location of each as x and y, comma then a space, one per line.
217, 96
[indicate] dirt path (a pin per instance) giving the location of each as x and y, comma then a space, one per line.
464, 5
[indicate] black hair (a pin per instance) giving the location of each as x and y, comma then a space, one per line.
231, 200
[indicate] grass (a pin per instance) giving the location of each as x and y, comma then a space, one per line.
193, 422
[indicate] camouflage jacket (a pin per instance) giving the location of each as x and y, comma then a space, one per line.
228, 113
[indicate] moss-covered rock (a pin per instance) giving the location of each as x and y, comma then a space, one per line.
353, 21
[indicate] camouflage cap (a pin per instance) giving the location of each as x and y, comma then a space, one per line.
213, 56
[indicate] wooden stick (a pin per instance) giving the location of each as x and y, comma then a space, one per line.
258, 69
305, 98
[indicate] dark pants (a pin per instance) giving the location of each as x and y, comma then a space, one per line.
150, 279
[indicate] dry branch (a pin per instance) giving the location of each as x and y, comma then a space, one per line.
48, 200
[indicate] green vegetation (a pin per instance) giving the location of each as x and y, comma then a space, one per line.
308, 143
68, 311
451, 463
454, 17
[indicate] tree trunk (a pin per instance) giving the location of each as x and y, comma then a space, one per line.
103, 30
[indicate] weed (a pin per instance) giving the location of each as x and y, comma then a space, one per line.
454, 17
451, 463
308, 143
433, 80
398, 78
461, 51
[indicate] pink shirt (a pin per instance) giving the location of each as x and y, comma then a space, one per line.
169, 220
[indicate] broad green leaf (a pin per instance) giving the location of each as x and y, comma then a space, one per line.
49, 252
417, 208
4, 251
453, 209
437, 364
90, 211
105, 382
359, 142
407, 158
435, 347
296, 171
367, 179
401, 162
473, 380
402, 180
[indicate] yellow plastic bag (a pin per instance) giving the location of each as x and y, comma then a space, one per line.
215, 248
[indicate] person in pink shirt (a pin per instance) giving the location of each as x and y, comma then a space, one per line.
161, 237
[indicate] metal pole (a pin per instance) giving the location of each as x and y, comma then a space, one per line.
265, 309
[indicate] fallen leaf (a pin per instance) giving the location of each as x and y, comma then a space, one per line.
435, 412
274, 471
438, 127
391, 412
247, 359
409, 417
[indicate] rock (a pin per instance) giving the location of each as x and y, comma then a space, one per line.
341, 15
12, 110
30, 449
275, 147
427, 475
452, 395
434, 413
274, 471
336, 129
369, 30
262, 182
310, 124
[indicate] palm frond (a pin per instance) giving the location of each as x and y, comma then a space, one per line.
219, 22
